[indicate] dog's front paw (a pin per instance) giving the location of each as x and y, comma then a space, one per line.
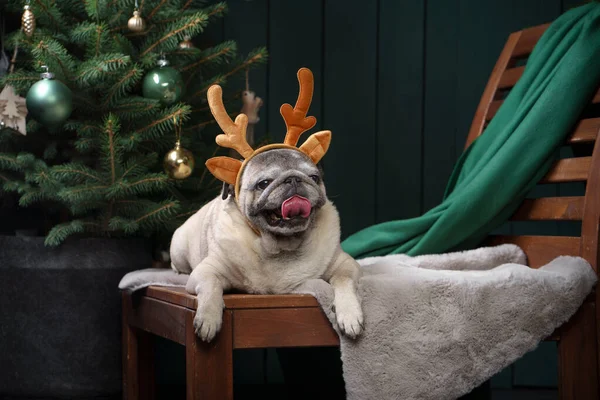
349, 317
208, 323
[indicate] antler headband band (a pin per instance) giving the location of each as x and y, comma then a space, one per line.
229, 169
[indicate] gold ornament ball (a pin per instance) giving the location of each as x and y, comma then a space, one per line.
179, 163
28, 21
136, 23
186, 43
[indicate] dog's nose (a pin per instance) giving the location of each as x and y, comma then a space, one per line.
292, 180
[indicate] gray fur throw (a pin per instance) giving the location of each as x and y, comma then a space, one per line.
437, 326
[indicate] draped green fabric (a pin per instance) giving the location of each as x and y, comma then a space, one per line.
495, 173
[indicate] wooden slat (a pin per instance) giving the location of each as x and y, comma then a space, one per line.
159, 318
290, 327
540, 250
528, 39
586, 131
568, 170
510, 77
180, 297
493, 109
550, 208
596, 98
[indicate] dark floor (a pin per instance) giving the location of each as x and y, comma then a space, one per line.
279, 392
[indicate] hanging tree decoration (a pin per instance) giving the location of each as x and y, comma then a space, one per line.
13, 112
163, 83
136, 23
49, 101
179, 162
28, 20
251, 106
186, 43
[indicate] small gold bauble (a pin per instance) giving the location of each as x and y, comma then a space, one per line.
136, 23
186, 43
28, 21
179, 163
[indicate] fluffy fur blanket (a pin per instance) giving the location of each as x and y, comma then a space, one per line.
438, 326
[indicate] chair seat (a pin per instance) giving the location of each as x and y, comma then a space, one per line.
259, 321
178, 296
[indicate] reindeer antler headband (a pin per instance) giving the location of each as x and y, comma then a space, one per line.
229, 169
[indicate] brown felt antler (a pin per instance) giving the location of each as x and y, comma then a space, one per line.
234, 136
295, 118
229, 169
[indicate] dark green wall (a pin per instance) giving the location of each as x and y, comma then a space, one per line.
398, 83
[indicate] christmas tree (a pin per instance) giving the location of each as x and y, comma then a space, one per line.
101, 172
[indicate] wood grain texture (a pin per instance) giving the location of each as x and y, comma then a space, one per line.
399, 109
568, 170
138, 357
540, 250
209, 366
131, 388
290, 327
550, 208
181, 298
578, 356
159, 318
590, 235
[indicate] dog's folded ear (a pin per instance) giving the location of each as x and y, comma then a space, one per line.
227, 190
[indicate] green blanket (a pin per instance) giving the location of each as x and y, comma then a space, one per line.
518, 147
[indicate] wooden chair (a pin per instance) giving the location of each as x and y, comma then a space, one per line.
257, 321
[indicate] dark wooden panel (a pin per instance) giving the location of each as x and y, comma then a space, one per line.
550, 208
440, 108
295, 41
247, 23
399, 113
159, 318
350, 109
541, 250
289, 327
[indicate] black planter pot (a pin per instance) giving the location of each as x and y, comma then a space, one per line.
60, 315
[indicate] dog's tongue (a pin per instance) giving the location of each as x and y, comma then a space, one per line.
294, 206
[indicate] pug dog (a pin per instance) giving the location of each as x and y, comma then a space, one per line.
273, 228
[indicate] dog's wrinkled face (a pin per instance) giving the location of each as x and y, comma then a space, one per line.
280, 192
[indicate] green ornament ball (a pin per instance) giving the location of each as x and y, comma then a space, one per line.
50, 102
163, 83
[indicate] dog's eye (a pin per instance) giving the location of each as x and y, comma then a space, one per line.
262, 185
315, 178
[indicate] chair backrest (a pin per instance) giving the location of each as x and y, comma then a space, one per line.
583, 168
